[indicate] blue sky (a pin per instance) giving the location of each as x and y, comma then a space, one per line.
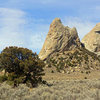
26, 23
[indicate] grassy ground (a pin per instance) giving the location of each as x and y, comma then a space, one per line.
60, 90
71, 86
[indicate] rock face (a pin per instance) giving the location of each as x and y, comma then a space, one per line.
92, 40
62, 50
59, 38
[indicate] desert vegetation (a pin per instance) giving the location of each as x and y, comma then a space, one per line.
80, 58
23, 70
58, 90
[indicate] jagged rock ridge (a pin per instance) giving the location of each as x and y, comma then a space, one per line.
92, 40
63, 50
59, 38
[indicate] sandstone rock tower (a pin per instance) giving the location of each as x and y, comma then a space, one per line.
92, 40
59, 38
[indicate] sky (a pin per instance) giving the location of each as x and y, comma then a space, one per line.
25, 23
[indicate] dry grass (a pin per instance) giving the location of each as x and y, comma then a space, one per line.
60, 90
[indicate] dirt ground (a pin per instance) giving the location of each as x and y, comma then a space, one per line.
94, 74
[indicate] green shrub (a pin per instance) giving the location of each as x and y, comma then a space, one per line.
52, 71
3, 78
22, 65
58, 69
86, 57
61, 58
87, 72
85, 77
82, 72
49, 65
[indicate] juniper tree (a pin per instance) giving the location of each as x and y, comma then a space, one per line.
22, 65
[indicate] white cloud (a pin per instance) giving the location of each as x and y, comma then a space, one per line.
18, 30
37, 39
97, 8
48, 1
39, 3
82, 26
10, 26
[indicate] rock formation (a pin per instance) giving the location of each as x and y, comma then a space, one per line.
59, 38
92, 40
63, 51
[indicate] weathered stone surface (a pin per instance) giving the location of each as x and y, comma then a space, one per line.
92, 40
59, 38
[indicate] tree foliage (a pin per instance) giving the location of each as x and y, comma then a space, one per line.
22, 65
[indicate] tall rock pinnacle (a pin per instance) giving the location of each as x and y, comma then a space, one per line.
59, 38
92, 40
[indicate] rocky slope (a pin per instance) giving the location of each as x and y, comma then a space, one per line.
92, 40
63, 50
59, 38
77, 60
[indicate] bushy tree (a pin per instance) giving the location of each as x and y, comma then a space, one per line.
21, 65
